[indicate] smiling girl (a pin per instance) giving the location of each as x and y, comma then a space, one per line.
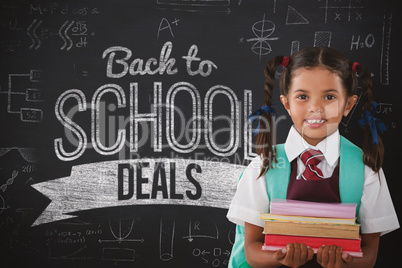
318, 87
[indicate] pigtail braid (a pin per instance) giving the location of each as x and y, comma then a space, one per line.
373, 154
266, 137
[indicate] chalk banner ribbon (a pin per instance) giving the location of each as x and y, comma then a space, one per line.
139, 182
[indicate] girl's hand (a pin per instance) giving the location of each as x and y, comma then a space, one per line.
332, 257
294, 255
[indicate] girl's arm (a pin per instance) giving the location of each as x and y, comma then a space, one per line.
294, 255
332, 257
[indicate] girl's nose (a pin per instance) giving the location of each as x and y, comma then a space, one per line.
316, 106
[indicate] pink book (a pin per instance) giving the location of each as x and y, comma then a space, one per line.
312, 209
275, 248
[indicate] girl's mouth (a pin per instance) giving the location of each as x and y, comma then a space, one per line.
315, 123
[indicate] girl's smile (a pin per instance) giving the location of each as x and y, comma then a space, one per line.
315, 123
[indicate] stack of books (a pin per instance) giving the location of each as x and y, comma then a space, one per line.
314, 224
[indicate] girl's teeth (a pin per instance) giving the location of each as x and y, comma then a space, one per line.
315, 121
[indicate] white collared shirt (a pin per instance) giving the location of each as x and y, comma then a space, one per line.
330, 147
376, 213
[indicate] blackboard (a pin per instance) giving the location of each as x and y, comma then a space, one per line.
124, 123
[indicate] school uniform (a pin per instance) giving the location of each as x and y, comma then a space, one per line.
376, 212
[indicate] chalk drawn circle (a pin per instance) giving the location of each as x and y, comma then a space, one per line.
166, 257
261, 48
216, 263
196, 252
263, 28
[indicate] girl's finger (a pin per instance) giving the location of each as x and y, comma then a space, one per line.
325, 256
296, 254
303, 253
332, 255
339, 260
289, 254
319, 254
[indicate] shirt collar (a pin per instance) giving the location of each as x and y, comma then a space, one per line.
295, 145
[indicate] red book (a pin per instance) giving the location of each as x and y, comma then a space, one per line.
350, 246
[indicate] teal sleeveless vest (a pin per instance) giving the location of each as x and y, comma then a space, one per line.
351, 180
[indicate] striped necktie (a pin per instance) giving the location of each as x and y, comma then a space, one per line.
311, 158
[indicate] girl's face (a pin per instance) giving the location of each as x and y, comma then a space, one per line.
316, 103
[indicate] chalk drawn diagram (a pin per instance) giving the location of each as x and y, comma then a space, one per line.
216, 6
118, 254
9, 181
3, 188
262, 30
337, 12
165, 25
385, 47
213, 256
386, 110
293, 17
166, 238
121, 229
66, 244
322, 39
18, 241
294, 47
69, 240
23, 99
9, 185
72, 34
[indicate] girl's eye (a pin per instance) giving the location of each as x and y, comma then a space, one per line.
302, 97
329, 97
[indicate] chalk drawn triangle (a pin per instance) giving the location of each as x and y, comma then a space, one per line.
294, 17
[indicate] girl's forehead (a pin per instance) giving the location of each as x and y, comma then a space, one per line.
312, 75
318, 78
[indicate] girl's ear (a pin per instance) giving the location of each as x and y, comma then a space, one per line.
285, 103
350, 102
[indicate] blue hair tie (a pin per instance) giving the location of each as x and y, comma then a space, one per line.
368, 118
258, 114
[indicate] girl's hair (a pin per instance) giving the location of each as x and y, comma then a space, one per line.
335, 62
